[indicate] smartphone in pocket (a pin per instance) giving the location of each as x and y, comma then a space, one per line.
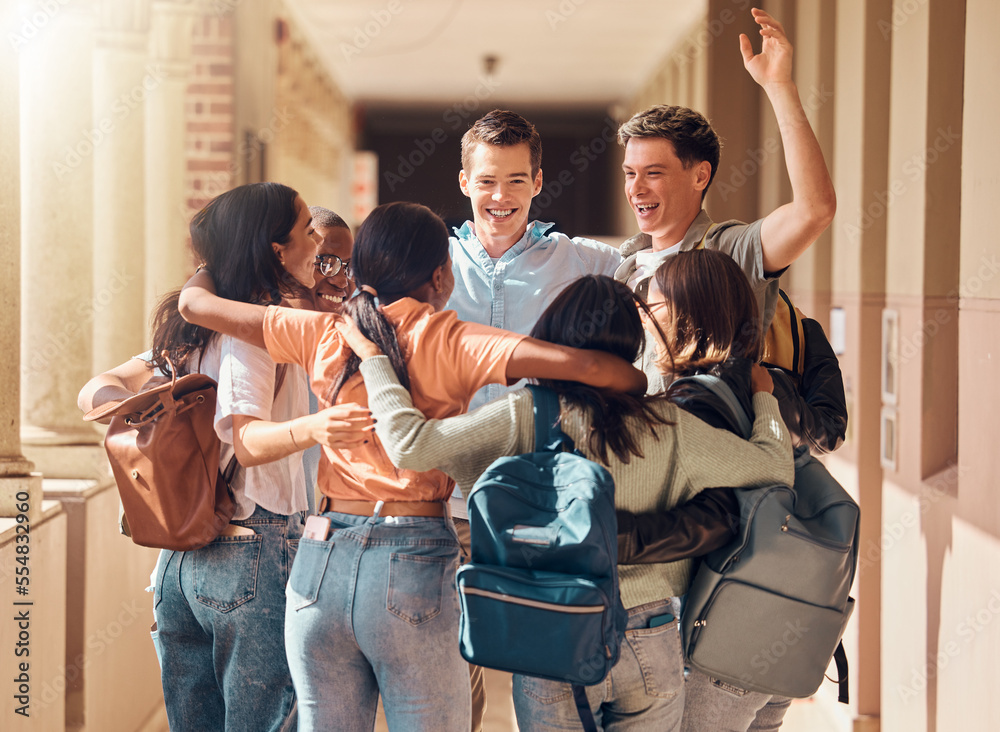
317, 527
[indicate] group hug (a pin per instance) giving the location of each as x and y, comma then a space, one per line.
396, 356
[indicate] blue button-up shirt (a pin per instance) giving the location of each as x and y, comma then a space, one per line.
512, 291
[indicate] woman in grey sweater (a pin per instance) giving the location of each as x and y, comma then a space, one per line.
678, 456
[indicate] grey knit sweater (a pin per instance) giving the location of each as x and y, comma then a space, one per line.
679, 461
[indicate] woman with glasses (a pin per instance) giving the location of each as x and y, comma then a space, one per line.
219, 610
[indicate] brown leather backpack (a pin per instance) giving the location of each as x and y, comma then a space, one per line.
164, 453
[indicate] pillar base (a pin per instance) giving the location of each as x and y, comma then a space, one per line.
86, 462
867, 724
13, 491
15, 466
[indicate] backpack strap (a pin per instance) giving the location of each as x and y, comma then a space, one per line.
701, 244
840, 656
721, 389
583, 709
548, 434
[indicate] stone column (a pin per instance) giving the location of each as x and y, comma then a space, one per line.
58, 142
123, 79
16, 480
167, 260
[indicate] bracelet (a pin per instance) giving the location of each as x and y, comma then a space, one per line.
294, 443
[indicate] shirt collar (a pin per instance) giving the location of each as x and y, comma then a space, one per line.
691, 238
534, 233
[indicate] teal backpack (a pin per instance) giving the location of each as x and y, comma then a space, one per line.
766, 612
540, 594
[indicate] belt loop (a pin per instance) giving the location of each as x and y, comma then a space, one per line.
378, 509
324, 504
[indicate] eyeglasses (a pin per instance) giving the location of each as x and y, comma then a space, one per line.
652, 307
330, 265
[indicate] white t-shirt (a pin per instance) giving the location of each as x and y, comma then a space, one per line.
246, 376
648, 261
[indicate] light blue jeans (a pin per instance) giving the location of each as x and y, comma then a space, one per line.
219, 634
712, 705
374, 609
644, 691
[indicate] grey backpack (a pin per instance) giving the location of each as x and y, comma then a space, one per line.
767, 611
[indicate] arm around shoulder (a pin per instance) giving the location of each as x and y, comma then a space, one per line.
119, 383
461, 446
200, 305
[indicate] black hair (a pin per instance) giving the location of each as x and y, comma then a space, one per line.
597, 312
232, 236
397, 249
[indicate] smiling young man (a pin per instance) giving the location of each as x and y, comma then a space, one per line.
332, 275
507, 269
672, 155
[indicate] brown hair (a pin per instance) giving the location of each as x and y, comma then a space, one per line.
689, 132
503, 129
710, 312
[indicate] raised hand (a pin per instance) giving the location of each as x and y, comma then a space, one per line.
774, 62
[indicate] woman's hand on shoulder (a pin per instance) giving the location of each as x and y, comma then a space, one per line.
760, 379
355, 339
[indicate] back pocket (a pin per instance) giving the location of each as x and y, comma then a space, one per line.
225, 571
416, 584
308, 569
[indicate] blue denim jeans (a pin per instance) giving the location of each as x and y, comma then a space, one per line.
712, 705
374, 609
220, 613
644, 691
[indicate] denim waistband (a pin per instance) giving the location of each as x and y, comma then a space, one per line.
262, 516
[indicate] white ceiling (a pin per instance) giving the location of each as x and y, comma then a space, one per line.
550, 52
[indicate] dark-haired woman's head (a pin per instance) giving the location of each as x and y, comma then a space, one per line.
401, 250
706, 310
596, 312
257, 241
